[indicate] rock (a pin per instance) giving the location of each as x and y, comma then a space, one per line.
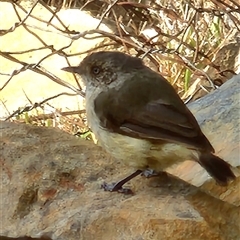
51, 185
218, 116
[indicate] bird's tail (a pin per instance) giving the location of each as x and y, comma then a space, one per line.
219, 169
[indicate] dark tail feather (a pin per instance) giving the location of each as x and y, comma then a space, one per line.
217, 168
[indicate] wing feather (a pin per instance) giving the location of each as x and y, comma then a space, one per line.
159, 116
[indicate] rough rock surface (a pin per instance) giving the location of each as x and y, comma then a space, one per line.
50, 185
218, 116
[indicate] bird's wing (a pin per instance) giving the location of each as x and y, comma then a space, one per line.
161, 117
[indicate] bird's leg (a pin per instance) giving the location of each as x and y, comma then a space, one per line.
117, 187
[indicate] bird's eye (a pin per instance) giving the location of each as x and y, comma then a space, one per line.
95, 70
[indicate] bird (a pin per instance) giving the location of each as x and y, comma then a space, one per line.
138, 118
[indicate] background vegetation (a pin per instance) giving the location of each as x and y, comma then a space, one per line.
194, 44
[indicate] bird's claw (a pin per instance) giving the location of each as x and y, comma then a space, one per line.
148, 173
113, 187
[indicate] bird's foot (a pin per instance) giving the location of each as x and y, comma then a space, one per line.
115, 187
148, 173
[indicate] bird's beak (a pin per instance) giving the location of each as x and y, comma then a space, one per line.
72, 69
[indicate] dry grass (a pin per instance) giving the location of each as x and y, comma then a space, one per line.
180, 39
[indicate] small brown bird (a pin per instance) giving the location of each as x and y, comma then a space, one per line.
138, 117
